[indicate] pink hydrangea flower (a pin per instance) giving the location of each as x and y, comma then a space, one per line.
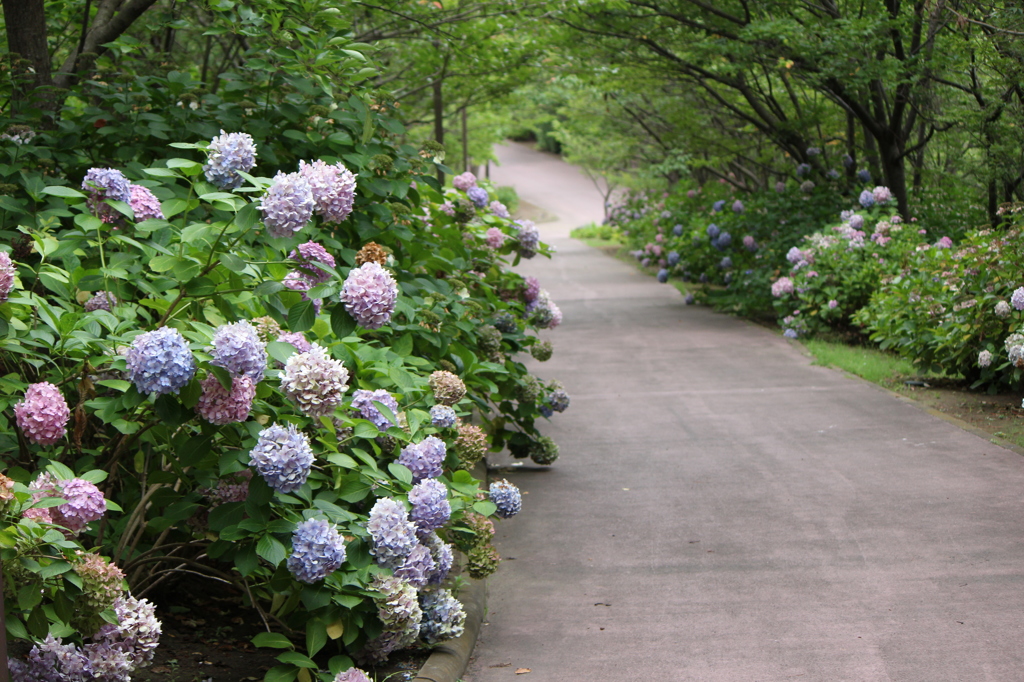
43, 415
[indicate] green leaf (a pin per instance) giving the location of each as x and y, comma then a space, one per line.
401, 472
316, 636
267, 288
173, 207
485, 507
271, 550
342, 323
281, 350
116, 384
163, 263
232, 262
301, 316
295, 658
65, 192
281, 673
403, 345
272, 640
94, 476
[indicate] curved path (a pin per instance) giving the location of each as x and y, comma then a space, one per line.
724, 510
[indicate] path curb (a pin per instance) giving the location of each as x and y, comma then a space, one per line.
449, 660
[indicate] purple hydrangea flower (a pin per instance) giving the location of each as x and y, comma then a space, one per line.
478, 195
84, 504
782, 286
813, 151
943, 243
559, 400
102, 184
499, 209
1017, 299
713, 231
352, 675
307, 256
52, 661
506, 497
6, 275
443, 617
288, 205
543, 312
749, 243
238, 349
333, 187
833, 174
529, 238
430, 506
673, 258
314, 381
677, 230
882, 195
160, 361
297, 339
424, 459
417, 567
297, 281
218, 405
867, 199
663, 275
317, 551
369, 295
795, 255
363, 400
725, 263
790, 334
780, 187
441, 553
689, 299
392, 534
833, 304
464, 182
864, 175
737, 206
803, 169
495, 237
43, 415
531, 290
722, 242
448, 208
102, 300
144, 204
718, 205
443, 417
856, 221
227, 154
282, 456
847, 161
136, 635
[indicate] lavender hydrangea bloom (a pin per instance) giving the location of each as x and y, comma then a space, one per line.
867, 199
399, 610
499, 209
749, 243
737, 206
506, 497
443, 617
543, 312
803, 169
847, 161
6, 276
417, 567
864, 175
102, 184
227, 154
288, 205
663, 275
1017, 299
531, 290
718, 205
833, 174
317, 551
102, 300
238, 349
673, 258
780, 187
677, 230
1002, 309
529, 238
495, 238
136, 635
782, 286
984, 358
441, 553
559, 400
713, 231
43, 415
424, 459
369, 295
352, 675
84, 504
725, 263
144, 204
297, 281
392, 534
282, 456
297, 339
690, 299
856, 221
442, 416
307, 256
52, 661
722, 242
882, 194
362, 400
430, 506
478, 195
333, 187
807, 187
790, 334
464, 182
160, 361
314, 381
218, 405
813, 151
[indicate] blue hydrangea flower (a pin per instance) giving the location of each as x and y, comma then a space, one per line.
424, 459
867, 199
478, 195
864, 175
737, 206
317, 551
847, 161
443, 417
713, 231
663, 275
288, 205
282, 456
690, 299
725, 263
803, 169
160, 361
443, 617
392, 534
430, 506
813, 151
545, 411
559, 400
1017, 298
238, 349
102, 184
529, 238
441, 553
833, 174
677, 230
506, 497
227, 154
790, 333
417, 567
722, 242
363, 400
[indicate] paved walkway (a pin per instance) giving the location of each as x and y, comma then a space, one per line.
724, 510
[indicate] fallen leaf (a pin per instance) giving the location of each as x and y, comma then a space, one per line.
160, 669
522, 671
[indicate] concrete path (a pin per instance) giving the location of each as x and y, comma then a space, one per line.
723, 510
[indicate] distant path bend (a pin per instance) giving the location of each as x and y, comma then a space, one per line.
725, 511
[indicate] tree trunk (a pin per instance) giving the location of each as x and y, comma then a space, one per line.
891, 156
993, 203
26, 37
438, 121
